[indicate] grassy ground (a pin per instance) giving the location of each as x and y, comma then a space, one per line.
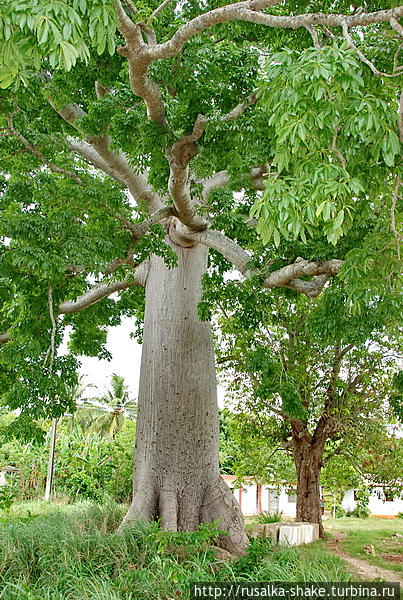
365, 535
50, 552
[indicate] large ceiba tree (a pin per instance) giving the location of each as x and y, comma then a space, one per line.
127, 131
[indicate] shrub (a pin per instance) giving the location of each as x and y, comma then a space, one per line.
340, 512
360, 512
7, 496
88, 467
269, 517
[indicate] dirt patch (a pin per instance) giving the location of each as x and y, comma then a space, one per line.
397, 558
365, 570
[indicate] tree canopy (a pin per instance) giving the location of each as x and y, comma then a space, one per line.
101, 97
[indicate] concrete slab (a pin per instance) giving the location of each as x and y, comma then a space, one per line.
297, 533
290, 535
287, 533
256, 531
271, 531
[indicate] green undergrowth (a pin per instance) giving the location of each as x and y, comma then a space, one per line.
75, 553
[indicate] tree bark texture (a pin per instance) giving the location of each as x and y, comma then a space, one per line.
176, 474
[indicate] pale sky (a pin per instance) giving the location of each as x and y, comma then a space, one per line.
126, 357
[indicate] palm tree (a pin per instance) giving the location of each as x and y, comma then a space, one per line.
114, 408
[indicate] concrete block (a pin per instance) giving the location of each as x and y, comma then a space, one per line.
271, 531
295, 534
315, 531
306, 533
289, 535
256, 531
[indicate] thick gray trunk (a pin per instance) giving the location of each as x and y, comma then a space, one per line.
176, 475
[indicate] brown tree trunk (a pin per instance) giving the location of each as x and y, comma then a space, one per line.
308, 454
176, 474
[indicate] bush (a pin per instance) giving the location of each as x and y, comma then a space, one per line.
269, 517
340, 512
90, 467
7, 496
360, 512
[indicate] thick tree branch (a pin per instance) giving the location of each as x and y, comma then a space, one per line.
255, 177
103, 290
140, 54
394, 23
136, 51
88, 152
285, 277
314, 36
228, 248
4, 337
179, 157
126, 25
96, 293
96, 151
250, 11
239, 109
289, 276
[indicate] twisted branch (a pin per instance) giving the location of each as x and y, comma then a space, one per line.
285, 277
362, 57
37, 153
96, 151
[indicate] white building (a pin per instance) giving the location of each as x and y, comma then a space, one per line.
4, 471
380, 504
254, 498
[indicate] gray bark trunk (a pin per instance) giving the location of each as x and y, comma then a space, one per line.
176, 475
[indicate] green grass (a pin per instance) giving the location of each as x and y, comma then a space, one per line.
269, 517
379, 533
51, 552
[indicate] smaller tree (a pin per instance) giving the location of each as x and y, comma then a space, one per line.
304, 375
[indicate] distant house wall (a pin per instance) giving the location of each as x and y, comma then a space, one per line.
3, 480
288, 503
255, 498
249, 499
377, 504
348, 502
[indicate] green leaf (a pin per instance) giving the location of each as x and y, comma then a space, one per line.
339, 219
